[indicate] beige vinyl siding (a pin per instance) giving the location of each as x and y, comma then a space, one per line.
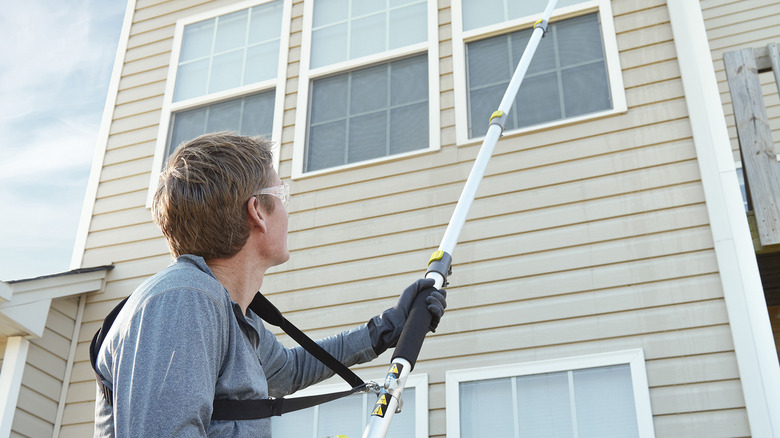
39, 395
586, 238
734, 25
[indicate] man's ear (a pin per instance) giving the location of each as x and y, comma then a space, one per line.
255, 214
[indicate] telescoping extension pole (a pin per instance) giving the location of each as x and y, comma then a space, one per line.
419, 320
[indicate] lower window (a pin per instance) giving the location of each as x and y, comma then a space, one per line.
349, 416
591, 399
249, 115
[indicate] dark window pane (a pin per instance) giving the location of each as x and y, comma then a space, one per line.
409, 80
369, 90
409, 128
368, 113
567, 76
326, 146
367, 137
585, 89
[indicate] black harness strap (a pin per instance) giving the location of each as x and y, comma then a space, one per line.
270, 314
260, 408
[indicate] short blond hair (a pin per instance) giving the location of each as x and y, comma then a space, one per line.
201, 198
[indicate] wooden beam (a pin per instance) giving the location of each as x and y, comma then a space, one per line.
755, 139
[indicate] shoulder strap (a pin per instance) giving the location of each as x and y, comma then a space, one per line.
251, 409
270, 314
94, 348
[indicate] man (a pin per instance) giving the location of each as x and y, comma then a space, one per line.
186, 337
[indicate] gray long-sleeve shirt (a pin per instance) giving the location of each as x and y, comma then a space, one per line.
180, 342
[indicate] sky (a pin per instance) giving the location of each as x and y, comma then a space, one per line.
56, 59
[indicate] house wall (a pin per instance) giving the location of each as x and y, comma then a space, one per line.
44, 372
586, 238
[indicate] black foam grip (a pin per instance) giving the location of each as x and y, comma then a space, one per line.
417, 326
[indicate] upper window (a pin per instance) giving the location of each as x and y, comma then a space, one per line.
349, 416
573, 73
366, 88
602, 395
223, 76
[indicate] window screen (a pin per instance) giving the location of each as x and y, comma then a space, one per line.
250, 115
368, 113
584, 403
567, 77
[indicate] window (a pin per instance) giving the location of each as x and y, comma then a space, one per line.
223, 76
603, 395
369, 83
349, 416
574, 73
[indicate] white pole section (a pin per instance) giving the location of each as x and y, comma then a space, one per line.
495, 130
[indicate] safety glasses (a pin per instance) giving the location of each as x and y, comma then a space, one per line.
281, 191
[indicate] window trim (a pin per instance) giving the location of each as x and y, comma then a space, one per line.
460, 38
635, 358
417, 381
307, 75
169, 107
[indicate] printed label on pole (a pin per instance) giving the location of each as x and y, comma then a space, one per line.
381, 405
395, 370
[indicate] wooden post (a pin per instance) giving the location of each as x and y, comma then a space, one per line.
755, 140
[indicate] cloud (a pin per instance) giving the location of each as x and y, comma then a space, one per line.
55, 70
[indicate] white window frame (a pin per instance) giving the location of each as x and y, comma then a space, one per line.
169, 107
460, 38
431, 47
417, 381
635, 358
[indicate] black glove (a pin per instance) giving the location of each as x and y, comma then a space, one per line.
385, 329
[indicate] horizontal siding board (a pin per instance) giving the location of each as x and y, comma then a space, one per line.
129, 183
60, 323
41, 382
693, 369
144, 231
143, 106
129, 153
78, 413
77, 430
695, 397
119, 253
83, 372
67, 306
118, 219
154, 78
81, 391
54, 343
721, 423
36, 404
27, 425
141, 135
47, 362
139, 90
120, 202
136, 121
